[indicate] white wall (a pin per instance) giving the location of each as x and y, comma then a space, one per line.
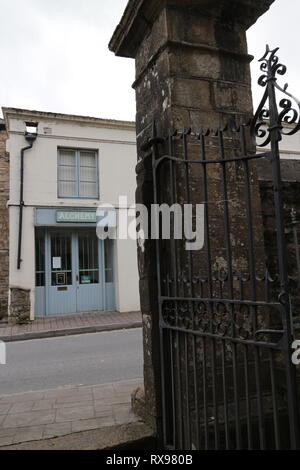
117, 160
25, 277
128, 278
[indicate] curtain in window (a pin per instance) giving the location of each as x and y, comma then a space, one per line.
67, 181
88, 175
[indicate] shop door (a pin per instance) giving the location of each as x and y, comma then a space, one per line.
75, 279
89, 278
61, 282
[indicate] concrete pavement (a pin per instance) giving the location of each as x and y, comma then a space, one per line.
64, 325
35, 416
124, 437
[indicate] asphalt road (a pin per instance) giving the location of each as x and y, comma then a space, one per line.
74, 360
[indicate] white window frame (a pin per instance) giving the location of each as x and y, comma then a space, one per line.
77, 173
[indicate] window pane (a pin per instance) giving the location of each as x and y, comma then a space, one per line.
40, 259
88, 175
67, 189
67, 173
40, 280
88, 159
88, 190
61, 248
67, 157
89, 277
67, 186
88, 258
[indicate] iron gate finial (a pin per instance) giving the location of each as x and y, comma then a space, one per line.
271, 116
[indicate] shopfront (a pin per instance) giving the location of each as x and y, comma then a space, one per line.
74, 269
57, 265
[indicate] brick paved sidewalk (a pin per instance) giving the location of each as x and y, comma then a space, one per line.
71, 325
33, 416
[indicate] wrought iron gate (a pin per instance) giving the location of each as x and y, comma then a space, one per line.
225, 310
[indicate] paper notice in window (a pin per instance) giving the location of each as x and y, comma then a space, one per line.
56, 263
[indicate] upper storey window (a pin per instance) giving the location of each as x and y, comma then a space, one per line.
78, 174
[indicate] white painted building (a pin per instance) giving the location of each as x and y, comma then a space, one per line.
289, 145
75, 164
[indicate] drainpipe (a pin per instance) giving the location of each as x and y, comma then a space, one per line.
30, 136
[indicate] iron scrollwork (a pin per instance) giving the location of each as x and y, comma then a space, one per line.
270, 115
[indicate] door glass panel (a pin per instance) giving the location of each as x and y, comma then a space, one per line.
40, 259
109, 261
61, 259
88, 258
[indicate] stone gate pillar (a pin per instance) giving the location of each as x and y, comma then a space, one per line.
192, 70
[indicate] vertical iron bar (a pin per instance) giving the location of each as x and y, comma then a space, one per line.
214, 393
158, 273
248, 399
191, 272
210, 291
177, 339
274, 401
230, 286
262, 434
188, 411
172, 371
251, 250
296, 243
251, 261
225, 398
205, 404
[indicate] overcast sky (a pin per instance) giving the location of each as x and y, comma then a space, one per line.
54, 55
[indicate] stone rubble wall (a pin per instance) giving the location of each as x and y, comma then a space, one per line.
19, 305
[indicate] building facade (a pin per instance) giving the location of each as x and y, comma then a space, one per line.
57, 263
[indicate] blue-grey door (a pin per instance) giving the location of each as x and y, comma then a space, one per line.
89, 277
61, 291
